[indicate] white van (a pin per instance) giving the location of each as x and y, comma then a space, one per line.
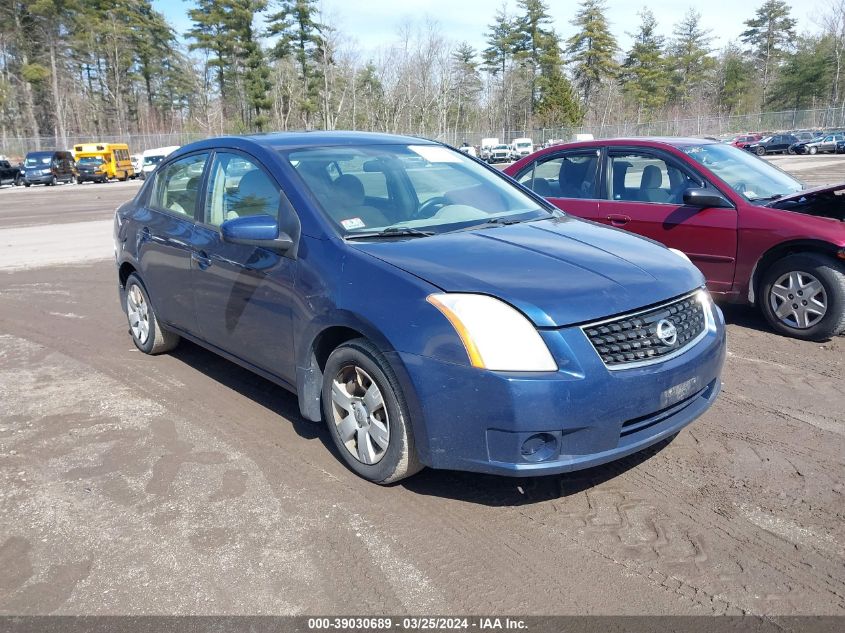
152, 157
521, 147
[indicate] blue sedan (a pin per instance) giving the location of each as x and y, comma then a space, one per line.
428, 309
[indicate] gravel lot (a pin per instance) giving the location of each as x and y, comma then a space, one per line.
183, 484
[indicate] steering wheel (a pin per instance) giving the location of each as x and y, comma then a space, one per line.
430, 207
740, 187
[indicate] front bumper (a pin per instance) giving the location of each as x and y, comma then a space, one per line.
40, 179
470, 419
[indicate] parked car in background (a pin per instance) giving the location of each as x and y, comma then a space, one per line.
48, 168
137, 162
92, 169
801, 146
487, 145
113, 158
827, 143
775, 144
468, 149
805, 135
840, 147
434, 315
154, 156
499, 154
745, 139
521, 147
9, 174
758, 235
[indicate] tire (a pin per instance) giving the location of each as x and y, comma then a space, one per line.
790, 151
27, 184
760, 151
788, 279
52, 182
812, 151
146, 332
18, 181
356, 366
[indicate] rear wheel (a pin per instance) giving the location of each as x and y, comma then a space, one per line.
803, 296
147, 333
366, 413
52, 182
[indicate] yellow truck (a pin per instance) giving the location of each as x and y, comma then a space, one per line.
100, 162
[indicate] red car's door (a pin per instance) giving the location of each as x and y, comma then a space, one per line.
567, 179
645, 192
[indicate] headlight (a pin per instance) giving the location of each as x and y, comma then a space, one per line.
495, 335
706, 301
681, 254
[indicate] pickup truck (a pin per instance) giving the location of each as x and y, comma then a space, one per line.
9, 175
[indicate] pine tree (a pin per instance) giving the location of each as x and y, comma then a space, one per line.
735, 80
502, 43
645, 73
805, 77
466, 80
592, 48
769, 35
211, 33
300, 35
690, 56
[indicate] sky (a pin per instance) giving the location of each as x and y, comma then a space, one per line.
373, 24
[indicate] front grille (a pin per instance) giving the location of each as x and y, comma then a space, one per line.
634, 338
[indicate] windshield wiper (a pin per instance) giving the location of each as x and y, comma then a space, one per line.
391, 231
767, 198
493, 222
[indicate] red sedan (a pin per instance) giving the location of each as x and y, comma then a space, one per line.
758, 235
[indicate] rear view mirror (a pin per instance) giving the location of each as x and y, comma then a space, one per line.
256, 230
706, 198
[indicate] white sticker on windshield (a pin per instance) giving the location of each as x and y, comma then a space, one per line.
435, 153
352, 223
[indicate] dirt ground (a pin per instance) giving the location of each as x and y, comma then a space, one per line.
184, 484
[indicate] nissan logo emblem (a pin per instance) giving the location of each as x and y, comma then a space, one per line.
667, 332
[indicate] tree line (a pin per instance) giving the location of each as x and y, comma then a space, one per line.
113, 67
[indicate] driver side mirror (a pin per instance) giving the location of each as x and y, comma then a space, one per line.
257, 230
706, 198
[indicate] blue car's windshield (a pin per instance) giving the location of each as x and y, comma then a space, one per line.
754, 178
422, 188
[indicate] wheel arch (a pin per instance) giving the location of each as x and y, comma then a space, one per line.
319, 342
782, 250
126, 269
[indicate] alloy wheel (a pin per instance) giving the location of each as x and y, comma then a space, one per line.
798, 299
138, 312
360, 414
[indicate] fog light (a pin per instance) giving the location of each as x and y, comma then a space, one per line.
539, 447
841, 253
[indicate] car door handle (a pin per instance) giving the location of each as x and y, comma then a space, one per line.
201, 259
618, 220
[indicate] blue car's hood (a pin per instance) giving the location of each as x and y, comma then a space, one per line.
558, 272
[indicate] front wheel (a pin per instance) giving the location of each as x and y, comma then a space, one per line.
366, 413
147, 333
813, 150
52, 182
761, 151
803, 296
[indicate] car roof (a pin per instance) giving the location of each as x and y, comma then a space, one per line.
322, 138
643, 141
274, 141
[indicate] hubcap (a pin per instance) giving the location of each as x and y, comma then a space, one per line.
139, 314
360, 414
799, 300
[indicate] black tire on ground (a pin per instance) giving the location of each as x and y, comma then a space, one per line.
761, 151
52, 182
812, 150
399, 459
26, 184
829, 272
157, 340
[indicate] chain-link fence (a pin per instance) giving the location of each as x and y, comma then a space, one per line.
711, 125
